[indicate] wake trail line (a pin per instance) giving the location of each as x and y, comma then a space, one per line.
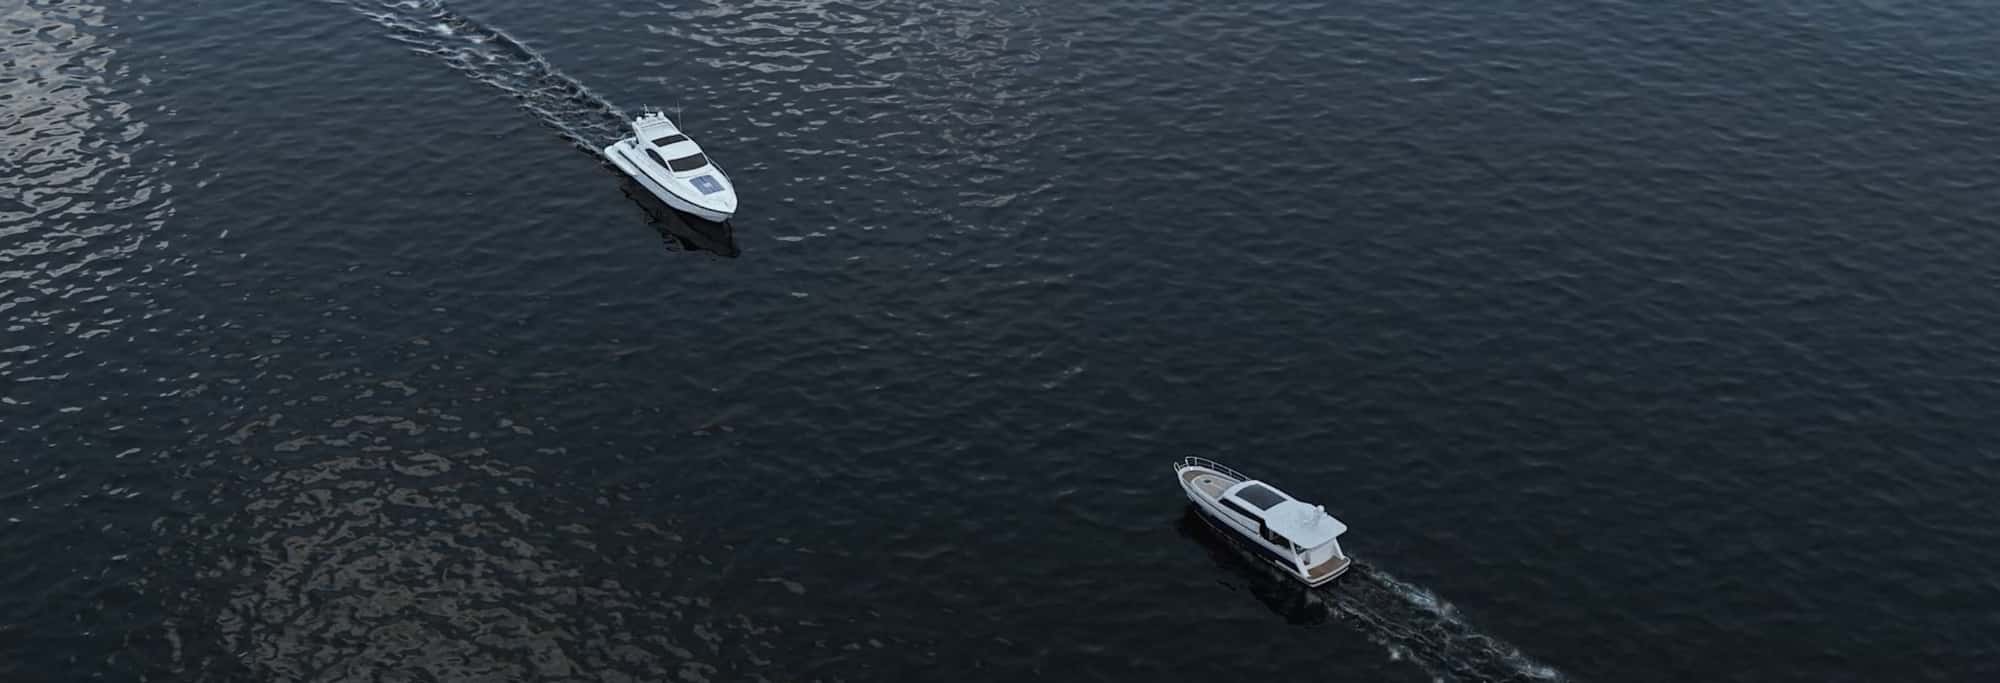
490, 56
1410, 622
1415, 624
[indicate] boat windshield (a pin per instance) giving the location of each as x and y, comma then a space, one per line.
687, 163
1260, 496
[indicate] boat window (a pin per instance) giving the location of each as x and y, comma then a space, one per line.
1238, 507
668, 140
1260, 496
688, 163
656, 157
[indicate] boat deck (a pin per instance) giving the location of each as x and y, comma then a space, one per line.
1333, 566
1209, 483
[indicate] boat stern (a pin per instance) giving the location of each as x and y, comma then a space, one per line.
611, 154
1325, 572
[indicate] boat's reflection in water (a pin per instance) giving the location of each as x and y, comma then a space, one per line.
1284, 595
685, 231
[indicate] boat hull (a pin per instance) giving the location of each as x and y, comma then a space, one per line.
1246, 537
616, 155
1223, 528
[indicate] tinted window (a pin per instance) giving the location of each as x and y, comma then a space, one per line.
1259, 496
668, 140
1238, 507
656, 157
688, 163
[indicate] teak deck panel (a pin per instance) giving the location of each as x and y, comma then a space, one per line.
1327, 567
1209, 483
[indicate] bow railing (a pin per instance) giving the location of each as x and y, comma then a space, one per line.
1197, 461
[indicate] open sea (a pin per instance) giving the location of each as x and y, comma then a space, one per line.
1636, 341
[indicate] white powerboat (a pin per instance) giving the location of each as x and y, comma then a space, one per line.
673, 167
1300, 539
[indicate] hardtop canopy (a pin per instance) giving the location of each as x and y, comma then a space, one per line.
1306, 526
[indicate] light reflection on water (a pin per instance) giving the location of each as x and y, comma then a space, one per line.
83, 201
393, 546
76, 195
1507, 303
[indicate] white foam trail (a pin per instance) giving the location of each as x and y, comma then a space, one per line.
492, 57
1409, 623
1414, 624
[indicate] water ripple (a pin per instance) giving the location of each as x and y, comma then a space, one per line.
80, 185
407, 540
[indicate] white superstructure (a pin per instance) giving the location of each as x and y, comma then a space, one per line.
1300, 539
673, 168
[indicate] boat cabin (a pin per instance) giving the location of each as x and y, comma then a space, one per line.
675, 169
1298, 537
1285, 522
677, 154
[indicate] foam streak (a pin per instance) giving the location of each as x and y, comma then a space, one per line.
1415, 624
490, 56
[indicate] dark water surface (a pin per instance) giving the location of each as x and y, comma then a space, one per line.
1635, 341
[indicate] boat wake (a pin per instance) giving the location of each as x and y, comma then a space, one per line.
490, 56
1411, 623
1416, 625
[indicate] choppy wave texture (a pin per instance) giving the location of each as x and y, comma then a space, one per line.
490, 56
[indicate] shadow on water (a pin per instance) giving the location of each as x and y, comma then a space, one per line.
679, 229
1410, 622
1286, 597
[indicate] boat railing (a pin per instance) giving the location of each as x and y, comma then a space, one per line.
1197, 461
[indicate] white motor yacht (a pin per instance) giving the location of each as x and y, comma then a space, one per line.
673, 167
1300, 539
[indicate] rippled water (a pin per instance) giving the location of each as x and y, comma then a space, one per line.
398, 545
83, 194
1634, 341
